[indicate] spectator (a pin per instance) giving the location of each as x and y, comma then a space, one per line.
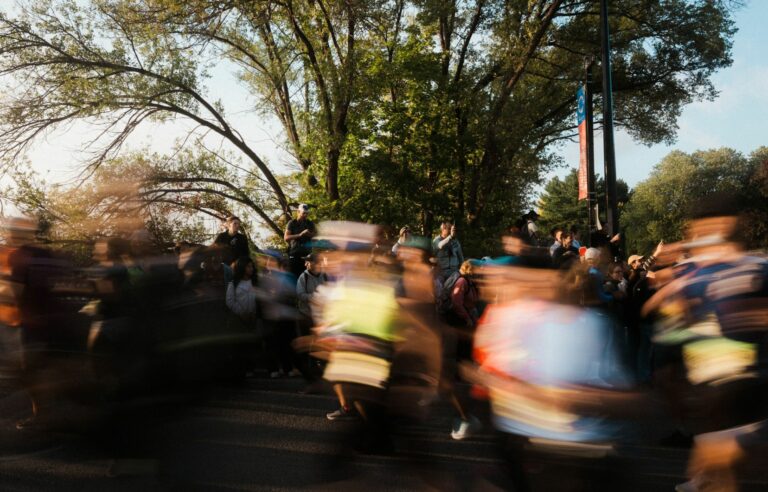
236, 244
555, 232
405, 235
595, 294
464, 298
616, 286
566, 251
575, 236
241, 295
640, 330
308, 282
447, 250
530, 231
617, 283
457, 344
298, 234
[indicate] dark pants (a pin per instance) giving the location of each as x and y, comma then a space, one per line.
280, 354
296, 265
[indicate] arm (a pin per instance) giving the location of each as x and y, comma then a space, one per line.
288, 236
230, 298
301, 289
441, 243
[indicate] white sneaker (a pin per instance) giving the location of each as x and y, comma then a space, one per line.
696, 484
465, 428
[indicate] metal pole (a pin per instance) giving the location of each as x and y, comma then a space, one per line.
591, 192
609, 156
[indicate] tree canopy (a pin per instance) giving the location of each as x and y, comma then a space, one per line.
559, 205
661, 204
394, 111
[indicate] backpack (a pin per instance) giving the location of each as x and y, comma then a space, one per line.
443, 302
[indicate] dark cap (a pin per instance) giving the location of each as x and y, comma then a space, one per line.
312, 257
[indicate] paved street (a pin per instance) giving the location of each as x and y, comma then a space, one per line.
265, 435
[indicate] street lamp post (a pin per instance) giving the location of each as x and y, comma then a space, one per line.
609, 156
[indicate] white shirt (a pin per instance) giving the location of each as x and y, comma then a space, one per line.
241, 300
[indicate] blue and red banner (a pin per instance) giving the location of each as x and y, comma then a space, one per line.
581, 118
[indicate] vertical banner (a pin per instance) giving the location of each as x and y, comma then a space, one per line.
581, 118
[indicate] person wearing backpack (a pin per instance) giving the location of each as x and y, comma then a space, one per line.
464, 297
447, 251
461, 317
306, 286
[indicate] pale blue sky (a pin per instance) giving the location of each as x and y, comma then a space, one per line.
738, 118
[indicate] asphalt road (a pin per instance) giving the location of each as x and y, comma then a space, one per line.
265, 435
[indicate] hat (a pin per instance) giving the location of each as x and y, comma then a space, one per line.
633, 259
592, 254
532, 213
419, 242
303, 207
312, 257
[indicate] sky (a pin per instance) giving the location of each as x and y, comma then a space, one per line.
737, 118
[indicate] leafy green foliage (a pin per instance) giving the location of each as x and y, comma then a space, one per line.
661, 204
559, 205
396, 111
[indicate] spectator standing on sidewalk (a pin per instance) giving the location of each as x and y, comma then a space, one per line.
447, 251
298, 233
234, 243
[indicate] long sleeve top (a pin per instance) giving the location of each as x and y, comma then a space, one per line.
448, 253
305, 289
241, 299
464, 300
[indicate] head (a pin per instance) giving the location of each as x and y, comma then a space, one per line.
303, 211
616, 272
592, 256
405, 234
233, 225
635, 262
312, 263
467, 269
517, 227
574, 232
532, 215
556, 232
566, 239
243, 269
445, 228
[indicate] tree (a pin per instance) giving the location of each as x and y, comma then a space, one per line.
661, 204
170, 197
405, 110
559, 205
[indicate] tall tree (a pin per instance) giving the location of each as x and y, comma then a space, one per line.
661, 204
406, 111
559, 204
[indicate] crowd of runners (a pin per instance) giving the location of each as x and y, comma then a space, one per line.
553, 345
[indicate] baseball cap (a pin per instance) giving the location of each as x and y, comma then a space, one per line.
633, 259
312, 257
592, 254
